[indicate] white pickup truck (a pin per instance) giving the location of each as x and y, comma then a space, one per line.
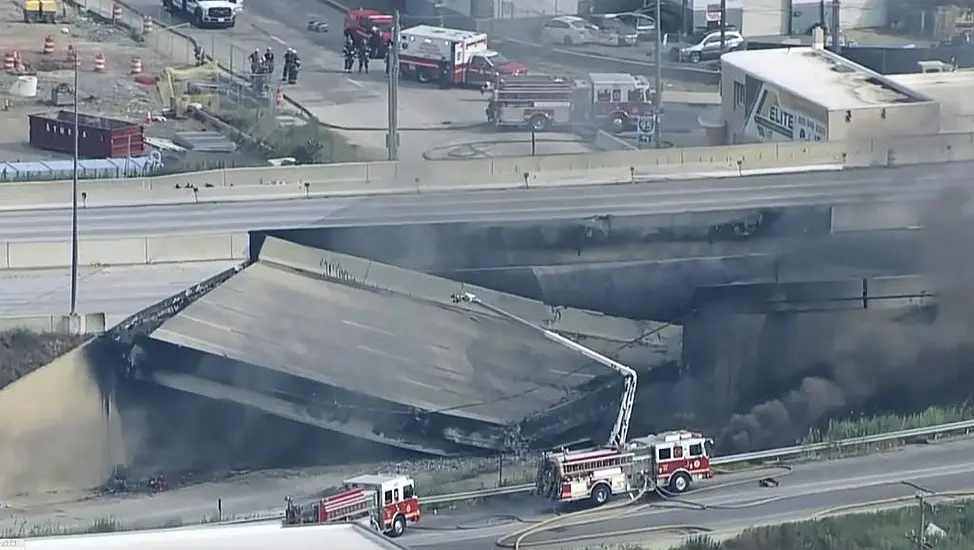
206, 13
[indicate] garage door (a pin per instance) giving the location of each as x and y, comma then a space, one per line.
765, 17
861, 14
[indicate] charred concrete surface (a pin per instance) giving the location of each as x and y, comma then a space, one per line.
319, 339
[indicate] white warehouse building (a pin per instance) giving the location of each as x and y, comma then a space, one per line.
811, 94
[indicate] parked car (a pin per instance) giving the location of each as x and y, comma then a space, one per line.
568, 30
706, 46
644, 25
609, 31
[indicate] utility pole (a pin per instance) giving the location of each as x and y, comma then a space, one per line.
658, 96
821, 14
921, 532
836, 25
74, 199
723, 26
392, 137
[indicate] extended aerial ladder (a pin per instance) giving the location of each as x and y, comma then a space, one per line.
620, 431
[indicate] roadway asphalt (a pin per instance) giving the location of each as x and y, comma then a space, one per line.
729, 501
360, 100
118, 291
525, 205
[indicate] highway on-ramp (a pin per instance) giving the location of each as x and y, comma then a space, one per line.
116, 291
713, 195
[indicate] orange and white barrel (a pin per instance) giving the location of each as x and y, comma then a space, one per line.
146, 25
280, 97
100, 62
136, 65
72, 57
116, 13
48, 45
9, 60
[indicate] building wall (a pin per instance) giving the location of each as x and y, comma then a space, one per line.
860, 14
759, 112
766, 17
876, 122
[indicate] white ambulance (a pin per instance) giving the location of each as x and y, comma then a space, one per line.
451, 57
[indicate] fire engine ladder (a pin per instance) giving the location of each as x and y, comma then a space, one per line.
620, 431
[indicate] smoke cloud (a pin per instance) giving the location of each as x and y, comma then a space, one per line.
880, 360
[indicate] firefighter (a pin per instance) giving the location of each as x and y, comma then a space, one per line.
255, 62
292, 73
269, 61
375, 42
348, 52
288, 59
445, 74
363, 57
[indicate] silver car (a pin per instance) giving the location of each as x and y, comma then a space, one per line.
644, 25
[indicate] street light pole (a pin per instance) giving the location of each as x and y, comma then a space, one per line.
74, 200
658, 96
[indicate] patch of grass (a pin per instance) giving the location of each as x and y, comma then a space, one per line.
875, 425
24, 351
888, 530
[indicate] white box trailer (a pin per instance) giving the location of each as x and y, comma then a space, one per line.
452, 57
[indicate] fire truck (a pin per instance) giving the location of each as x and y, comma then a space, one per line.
671, 461
459, 57
612, 101
388, 502
362, 24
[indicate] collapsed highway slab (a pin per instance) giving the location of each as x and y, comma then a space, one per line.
301, 335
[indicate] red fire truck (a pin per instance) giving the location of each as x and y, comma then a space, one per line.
389, 502
363, 24
670, 461
612, 101
427, 53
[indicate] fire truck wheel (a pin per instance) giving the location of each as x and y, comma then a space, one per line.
680, 482
600, 494
618, 123
422, 76
398, 527
539, 123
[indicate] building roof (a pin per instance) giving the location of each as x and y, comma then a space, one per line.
823, 78
379, 343
346, 536
952, 89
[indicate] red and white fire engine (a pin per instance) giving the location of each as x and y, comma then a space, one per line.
388, 502
362, 24
671, 461
451, 56
612, 101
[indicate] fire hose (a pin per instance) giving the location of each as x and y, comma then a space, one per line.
624, 509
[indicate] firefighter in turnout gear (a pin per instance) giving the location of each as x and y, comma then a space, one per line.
288, 59
255, 62
348, 52
269, 61
293, 68
363, 57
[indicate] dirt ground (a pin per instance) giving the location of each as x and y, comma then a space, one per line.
22, 351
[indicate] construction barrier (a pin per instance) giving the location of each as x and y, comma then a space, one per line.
116, 13
48, 45
72, 56
146, 24
9, 60
280, 96
100, 63
136, 66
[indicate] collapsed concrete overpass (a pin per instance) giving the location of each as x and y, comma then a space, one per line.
382, 353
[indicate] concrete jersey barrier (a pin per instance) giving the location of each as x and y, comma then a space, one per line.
125, 251
268, 183
90, 323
